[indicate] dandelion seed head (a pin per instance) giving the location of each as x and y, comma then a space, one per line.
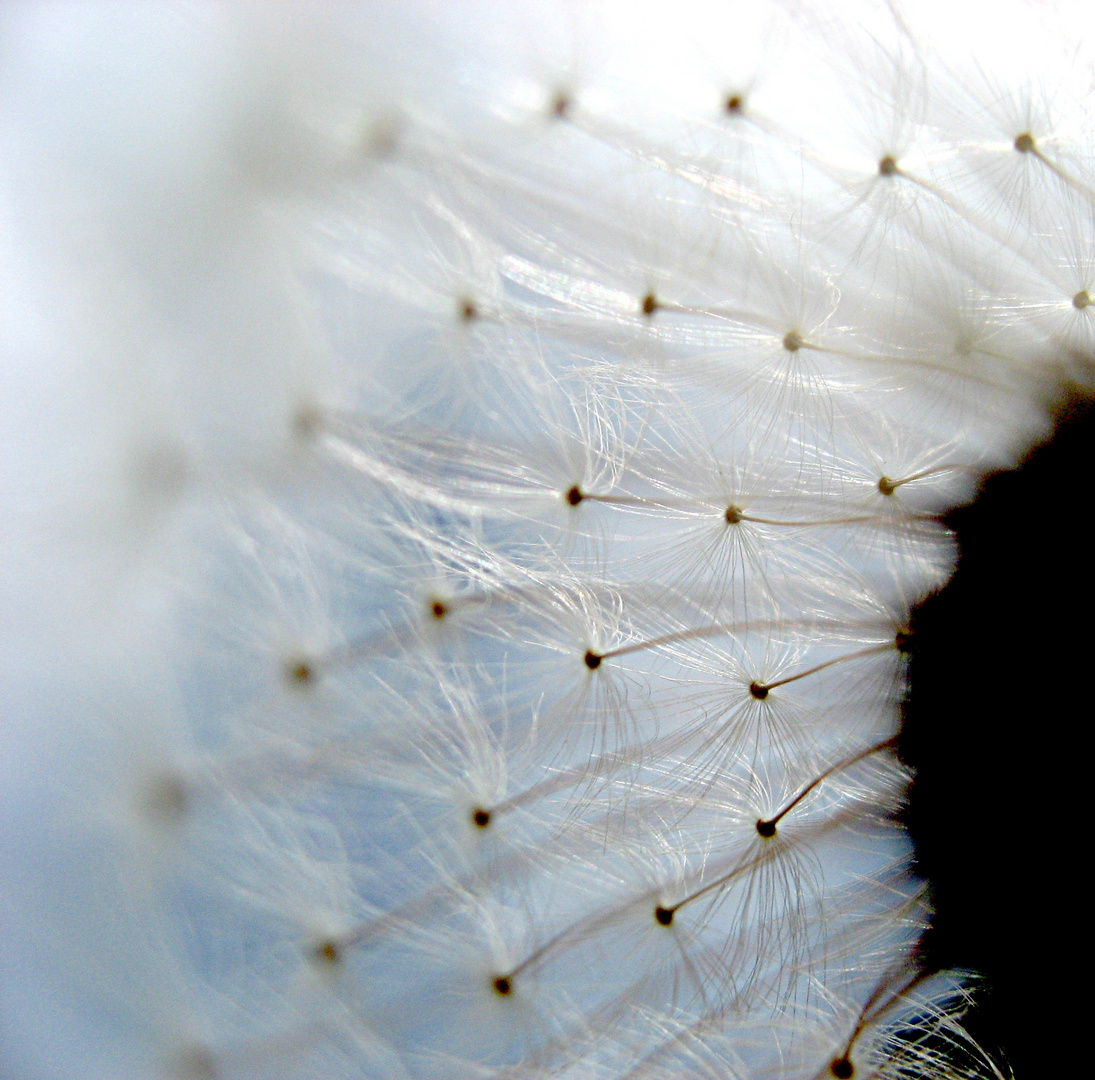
468, 469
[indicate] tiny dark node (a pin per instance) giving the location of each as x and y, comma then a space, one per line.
384, 139
663, 916
197, 1063
767, 829
1024, 143
468, 311
560, 105
593, 660
481, 818
1081, 300
301, 673
734, 104
503, 986
168, 797
650, 304
733, 515
886, 485
887, 166
574, 495
904, 641
842, 1069
307, 421
438, 609
328, 952
758, 690
792, 341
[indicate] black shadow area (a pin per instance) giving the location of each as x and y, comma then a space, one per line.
997, 725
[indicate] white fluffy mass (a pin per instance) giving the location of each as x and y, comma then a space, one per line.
465, 470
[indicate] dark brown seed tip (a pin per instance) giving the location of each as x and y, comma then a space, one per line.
301, 673
307, 421
328, 952
560, 105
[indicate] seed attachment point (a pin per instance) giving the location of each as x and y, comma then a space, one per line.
560, 105
301, 673
327, 952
